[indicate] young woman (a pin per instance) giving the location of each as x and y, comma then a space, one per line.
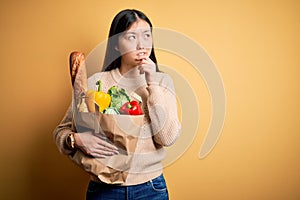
130, 63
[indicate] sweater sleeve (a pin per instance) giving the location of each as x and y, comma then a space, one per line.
62, 131
65, 127
163, 110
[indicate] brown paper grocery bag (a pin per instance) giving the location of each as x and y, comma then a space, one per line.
122, 130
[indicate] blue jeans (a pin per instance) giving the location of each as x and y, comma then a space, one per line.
155, 189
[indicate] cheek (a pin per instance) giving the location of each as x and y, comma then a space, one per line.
149, 51
148, 44
125, 48
129, 56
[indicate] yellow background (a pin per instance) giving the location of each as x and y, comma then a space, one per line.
255, 45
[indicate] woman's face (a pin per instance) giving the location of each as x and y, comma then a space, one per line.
135, 43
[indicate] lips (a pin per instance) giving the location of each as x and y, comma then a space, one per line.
141, 53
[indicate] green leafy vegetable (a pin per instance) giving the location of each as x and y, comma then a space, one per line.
111, 110
118, 97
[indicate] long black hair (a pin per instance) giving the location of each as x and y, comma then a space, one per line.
121, 22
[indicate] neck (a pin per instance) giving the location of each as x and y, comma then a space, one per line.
129, 81
129, 71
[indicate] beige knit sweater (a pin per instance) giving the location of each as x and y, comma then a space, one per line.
161, 125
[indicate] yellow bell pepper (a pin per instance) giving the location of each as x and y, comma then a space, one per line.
99, 97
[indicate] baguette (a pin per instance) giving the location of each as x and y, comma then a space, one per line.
78, 74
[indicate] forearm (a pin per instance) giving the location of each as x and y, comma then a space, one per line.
62, 131
163, 112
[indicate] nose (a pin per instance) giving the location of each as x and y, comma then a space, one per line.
140, 44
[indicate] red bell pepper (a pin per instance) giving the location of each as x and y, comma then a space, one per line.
131, 108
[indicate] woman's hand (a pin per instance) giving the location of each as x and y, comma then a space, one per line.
148, 67
94, 145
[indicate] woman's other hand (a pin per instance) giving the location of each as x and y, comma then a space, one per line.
94, 145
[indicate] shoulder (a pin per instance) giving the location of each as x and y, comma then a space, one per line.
164, 80
103, 76
97, 75
164, 77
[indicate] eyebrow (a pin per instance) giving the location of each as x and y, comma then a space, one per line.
132, 32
